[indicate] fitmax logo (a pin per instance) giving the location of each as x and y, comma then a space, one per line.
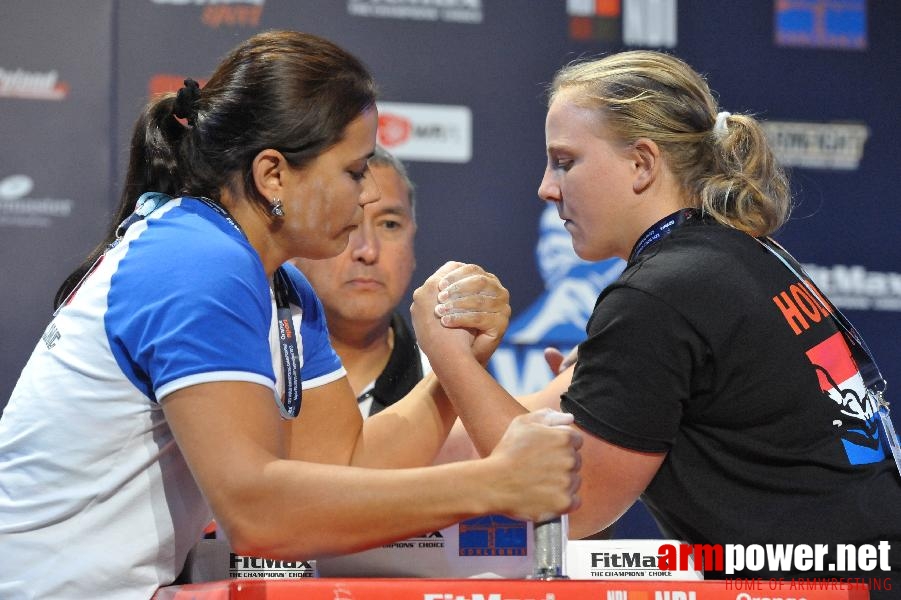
622, 559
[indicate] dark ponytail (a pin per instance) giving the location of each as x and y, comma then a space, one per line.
289, 91
152, 166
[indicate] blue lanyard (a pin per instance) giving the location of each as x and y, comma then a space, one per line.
288, 340
869, 370
662, 229
872, 377
151, 201
287, 337
146, 204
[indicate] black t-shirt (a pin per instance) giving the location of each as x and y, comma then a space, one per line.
710, 349
401, 374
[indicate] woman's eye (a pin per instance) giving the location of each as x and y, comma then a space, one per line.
563, 164
359, 175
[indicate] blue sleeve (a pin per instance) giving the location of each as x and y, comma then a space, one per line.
183, 312
319, 358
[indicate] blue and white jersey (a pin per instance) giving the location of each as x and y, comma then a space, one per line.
89, 470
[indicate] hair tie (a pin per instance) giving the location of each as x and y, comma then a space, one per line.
720, 128
186, 102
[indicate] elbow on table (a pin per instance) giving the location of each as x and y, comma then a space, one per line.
268, 537
255, 528
257, 538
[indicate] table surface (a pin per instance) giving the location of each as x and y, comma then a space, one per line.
508, 589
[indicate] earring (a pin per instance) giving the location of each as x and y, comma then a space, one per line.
276, 209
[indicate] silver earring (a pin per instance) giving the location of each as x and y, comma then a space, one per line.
276, 209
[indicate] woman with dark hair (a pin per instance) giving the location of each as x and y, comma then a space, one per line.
187, 373
716, 383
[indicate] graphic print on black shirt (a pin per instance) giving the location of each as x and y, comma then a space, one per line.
842, 384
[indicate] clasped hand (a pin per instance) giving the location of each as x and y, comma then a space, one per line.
461, 307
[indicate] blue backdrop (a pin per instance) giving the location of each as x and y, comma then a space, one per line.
462, 87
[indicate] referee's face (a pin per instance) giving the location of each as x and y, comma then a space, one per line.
364, 284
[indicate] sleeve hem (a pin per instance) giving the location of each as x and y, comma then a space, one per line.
598, 428
183, 382
323, 379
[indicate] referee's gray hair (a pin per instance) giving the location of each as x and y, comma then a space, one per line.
382, 158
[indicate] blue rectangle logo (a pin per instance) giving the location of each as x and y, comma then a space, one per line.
836, 24
493, 535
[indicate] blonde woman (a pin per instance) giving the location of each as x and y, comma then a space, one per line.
715, 383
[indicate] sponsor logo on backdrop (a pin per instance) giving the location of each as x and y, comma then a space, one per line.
595, 20
18, 209
493, 535
434, 539
32, 85
836, 146
162, 83
427, 132
253, 567
853, 287
453, 11
837, 24
623, 559
649, 23
558, 317
223, 13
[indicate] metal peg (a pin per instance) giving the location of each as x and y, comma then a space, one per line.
550, 545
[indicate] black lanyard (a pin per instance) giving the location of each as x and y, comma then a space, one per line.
290, 404
662, 229
866, 364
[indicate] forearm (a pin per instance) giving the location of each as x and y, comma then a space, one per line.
613, 478
408, 433
460, 314
459, 446
484, 407
307, 510
267, 504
